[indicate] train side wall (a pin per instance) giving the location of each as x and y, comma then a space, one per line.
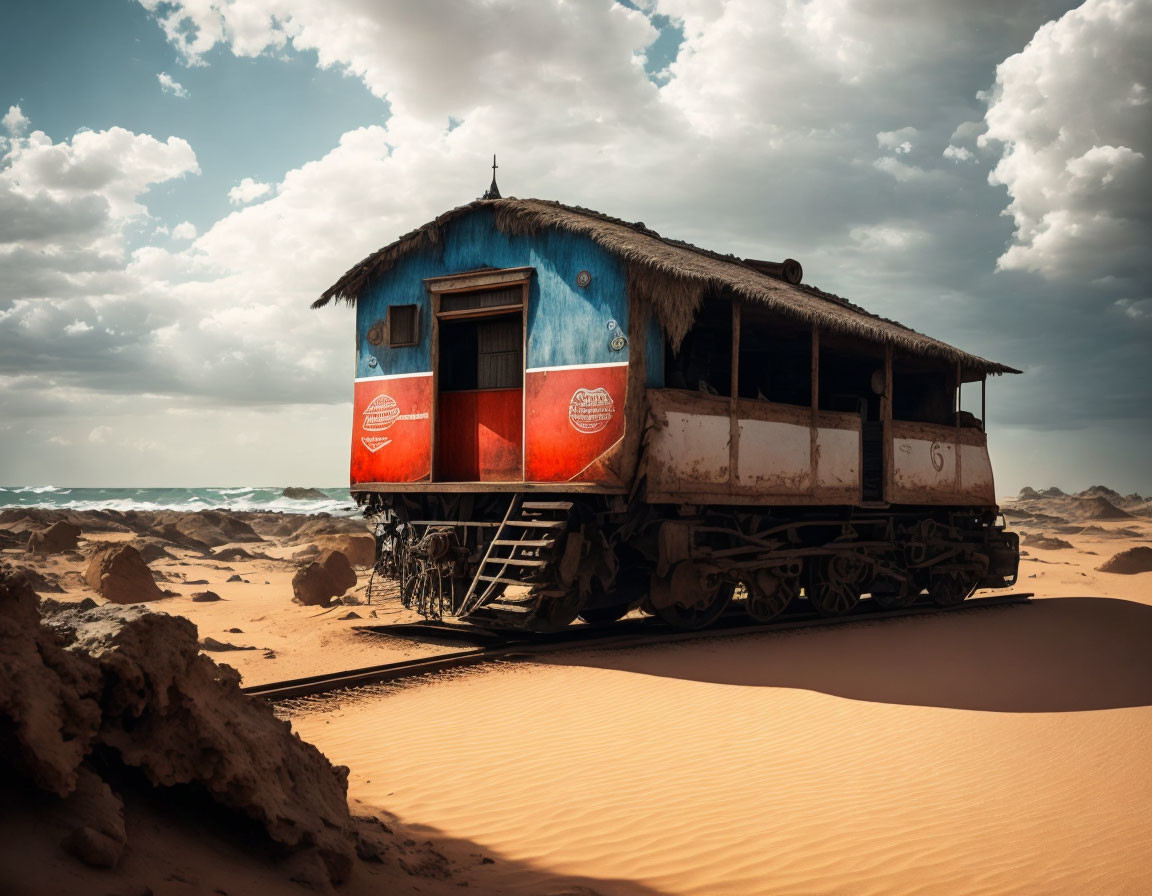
575, 382
707, 449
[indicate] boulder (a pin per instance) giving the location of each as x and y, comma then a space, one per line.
359, 549
306, 552
204, 597
56, 539
39, 582
151, 551
49, 605
329, 576
304, 494
1130, 562
119, 574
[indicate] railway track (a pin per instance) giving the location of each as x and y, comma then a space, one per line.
489, 646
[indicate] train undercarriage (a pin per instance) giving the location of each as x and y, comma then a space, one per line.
537, 562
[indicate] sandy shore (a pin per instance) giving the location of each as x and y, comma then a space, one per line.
986, 752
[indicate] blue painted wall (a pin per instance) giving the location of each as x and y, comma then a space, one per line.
567, 324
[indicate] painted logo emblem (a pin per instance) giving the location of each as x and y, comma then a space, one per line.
590, 410
374, 443
381, 413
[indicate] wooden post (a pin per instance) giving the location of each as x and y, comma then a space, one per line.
813, 454
886, 420
984, 403
956, 444
733, 399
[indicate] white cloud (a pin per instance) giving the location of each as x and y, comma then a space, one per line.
185, 230
900, 142
958, 153
887, 237
15, 122
168, 84
99, 434
1139, 310
1074, 150
77, 328
247, 191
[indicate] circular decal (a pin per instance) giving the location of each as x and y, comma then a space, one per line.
583, 279
381, 413
590, 409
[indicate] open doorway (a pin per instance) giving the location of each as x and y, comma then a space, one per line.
480, 389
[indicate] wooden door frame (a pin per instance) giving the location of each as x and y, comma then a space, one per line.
478, 281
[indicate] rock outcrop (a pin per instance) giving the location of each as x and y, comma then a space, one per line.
119, 574
61, 536
1046, 542
131, 686
304, 494
359, 549
326, 577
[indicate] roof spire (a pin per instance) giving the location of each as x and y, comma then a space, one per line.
493, 191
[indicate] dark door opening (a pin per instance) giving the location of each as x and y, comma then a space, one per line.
480, 405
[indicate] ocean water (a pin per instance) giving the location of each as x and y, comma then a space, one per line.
336, 501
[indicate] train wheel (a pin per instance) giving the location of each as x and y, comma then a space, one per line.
769, 594
951, 588
835, 586
693, 597
891, 593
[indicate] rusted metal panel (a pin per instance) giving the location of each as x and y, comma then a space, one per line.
774, 456
692, 448
838, 459
940, 465
976, 474
689, 451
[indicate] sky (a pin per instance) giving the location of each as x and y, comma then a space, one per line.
179, 180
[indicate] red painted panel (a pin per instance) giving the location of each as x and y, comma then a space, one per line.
574, 416
479, 434
392, 430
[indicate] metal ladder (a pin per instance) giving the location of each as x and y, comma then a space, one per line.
523, 546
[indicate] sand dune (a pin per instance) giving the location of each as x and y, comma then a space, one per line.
989, 752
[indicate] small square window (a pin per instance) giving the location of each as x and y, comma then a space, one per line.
403, 325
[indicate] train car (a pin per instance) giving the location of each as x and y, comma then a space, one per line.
559, 414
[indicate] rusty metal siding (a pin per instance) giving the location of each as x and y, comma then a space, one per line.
783, 453
934, 464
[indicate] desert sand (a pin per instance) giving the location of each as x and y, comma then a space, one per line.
985, 751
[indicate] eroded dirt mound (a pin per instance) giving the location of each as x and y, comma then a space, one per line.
326, 577
131, 686
61, 536
1100, 508
1046, 542
118, 573
1130, 562
211, 527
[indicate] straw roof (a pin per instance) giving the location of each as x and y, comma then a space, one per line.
673, 276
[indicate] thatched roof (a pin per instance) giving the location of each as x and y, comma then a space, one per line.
672, 275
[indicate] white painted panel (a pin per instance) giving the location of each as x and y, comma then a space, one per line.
976, 473
837, 458
922, 465
774, 456
691, 448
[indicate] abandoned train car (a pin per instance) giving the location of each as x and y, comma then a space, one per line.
561, 414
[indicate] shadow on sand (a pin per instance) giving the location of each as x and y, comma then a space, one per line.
1054, 655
